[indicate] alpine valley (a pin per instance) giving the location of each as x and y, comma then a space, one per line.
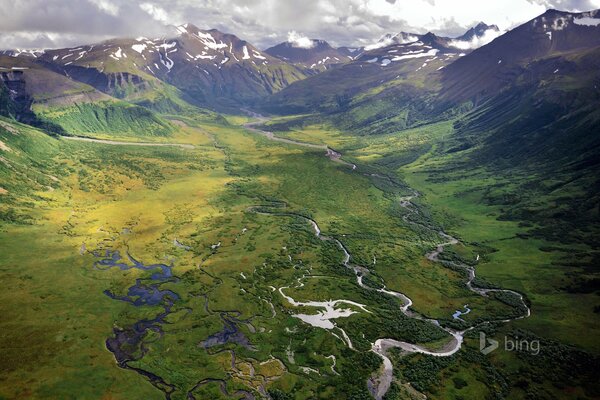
193, 217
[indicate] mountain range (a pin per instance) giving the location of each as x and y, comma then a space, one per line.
209, 68
403, 80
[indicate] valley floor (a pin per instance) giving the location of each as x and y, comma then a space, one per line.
192, 270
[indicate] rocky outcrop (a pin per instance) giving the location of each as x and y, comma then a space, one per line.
16, 102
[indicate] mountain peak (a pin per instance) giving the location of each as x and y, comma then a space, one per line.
393, 38
187, 28
307, 44
476, 36
478, 31
483, 26
313, 53
429, 36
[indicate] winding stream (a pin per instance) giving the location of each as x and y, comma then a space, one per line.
130, 344
380, 385
329, 152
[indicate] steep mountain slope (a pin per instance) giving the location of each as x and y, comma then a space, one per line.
31, 82
351, 52
525, 105
386, 76
526, 114
210, 68
538, 91
227, 68
29, 87
489, 68
41, 97
383, 87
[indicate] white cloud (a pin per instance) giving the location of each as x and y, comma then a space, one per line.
300, 41
106, 6
390, 39
587, 21
265, 22
572, 5
477, 41
156, 12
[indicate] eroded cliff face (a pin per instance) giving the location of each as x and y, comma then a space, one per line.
117, 84
14, 99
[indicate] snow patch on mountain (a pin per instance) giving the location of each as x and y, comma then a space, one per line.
166, 61
431, 52
139, 47
164, 58
81, 54
209, 41
117, 55
35, 53
256, 54
166, 46
587, 21
246, 54
389, 39
560, 23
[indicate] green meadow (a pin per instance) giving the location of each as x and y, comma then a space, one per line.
228, 331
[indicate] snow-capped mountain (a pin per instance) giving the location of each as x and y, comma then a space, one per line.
33, 53
209, 65
475, 37
404, 47
159, 56
478, 31
393, 38
310, 53
218, 69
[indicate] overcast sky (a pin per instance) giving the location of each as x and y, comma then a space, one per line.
61, 23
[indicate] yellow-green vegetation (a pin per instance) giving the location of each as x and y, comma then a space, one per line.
507, 252
107, 118
153, 272
66, 203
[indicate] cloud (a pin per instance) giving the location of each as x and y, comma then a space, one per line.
262, 22
390, 39
300, 41
477, 41
156, 12
29, 40
573, 5
106, 6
